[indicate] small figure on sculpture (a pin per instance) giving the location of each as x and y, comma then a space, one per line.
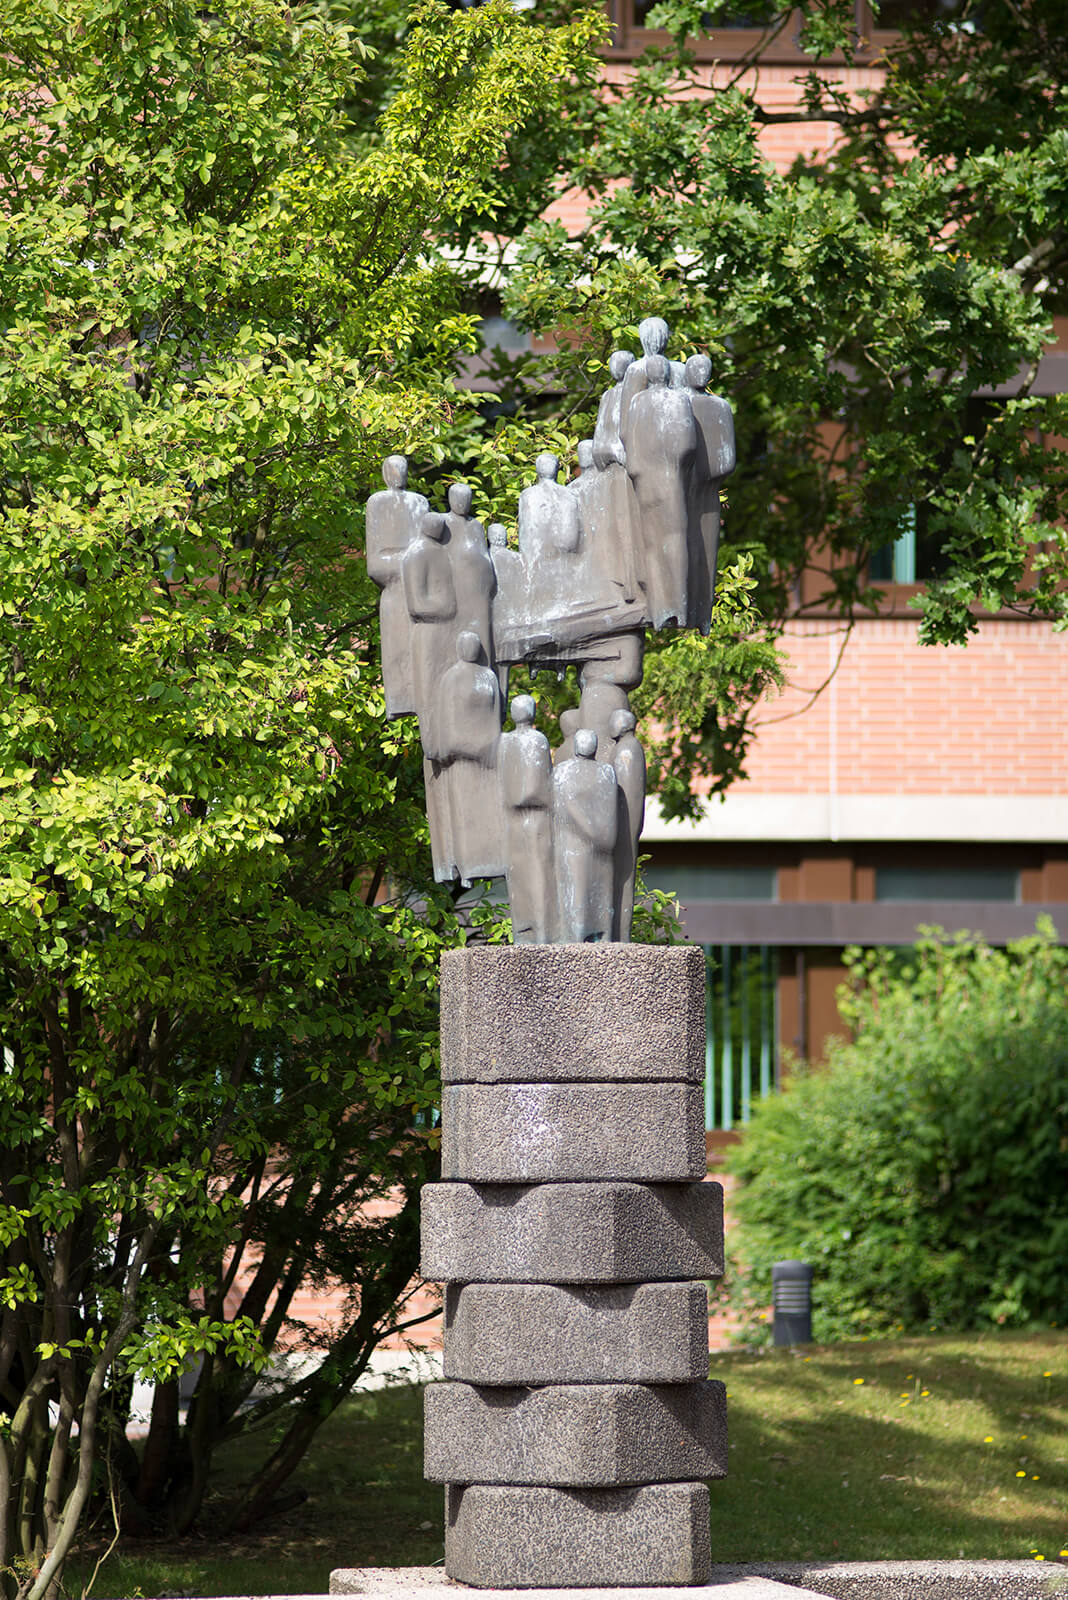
660, 438
510, 600
393, 518
628, 761
525, 769
654, 334
617, 507
606, 571
549, 536
469, 717
430, 602
569, 722
585, 827
713, 460
472, 569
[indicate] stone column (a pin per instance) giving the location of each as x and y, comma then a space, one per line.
576, 1421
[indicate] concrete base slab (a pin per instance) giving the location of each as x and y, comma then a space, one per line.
841, 1580
429, 1583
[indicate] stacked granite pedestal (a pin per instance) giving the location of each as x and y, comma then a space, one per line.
576, 1421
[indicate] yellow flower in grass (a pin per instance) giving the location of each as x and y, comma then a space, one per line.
1021, 1474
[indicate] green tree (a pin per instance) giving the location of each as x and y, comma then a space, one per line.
218, 311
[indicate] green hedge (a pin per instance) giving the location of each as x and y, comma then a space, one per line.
924, 1170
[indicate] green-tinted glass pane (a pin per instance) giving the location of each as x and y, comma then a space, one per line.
713, 883
742, 1030
946, 883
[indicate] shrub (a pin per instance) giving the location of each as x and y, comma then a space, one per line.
924, 1170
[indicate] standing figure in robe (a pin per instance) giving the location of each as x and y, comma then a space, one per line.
713, 460
430, 598
654, 334
509, 600
393, 518
472, 569
660, 439
569, 721
617, 507
585, 825
628, 760
469, 717
526, 774
549, 535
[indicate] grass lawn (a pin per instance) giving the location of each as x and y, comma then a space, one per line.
936, 1447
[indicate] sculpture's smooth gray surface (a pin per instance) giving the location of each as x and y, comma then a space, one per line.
573, 1012
585, 825
392, 516
557, 1132
559, 1538
630, 544
575, 1435
522, 1333
526, 777
571, 1232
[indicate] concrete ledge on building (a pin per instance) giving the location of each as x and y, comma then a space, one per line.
978, 818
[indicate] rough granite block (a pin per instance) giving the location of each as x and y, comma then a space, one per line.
543, 1013
564, 1538
571, 1233
523, 1333
578, 1435
548, 1132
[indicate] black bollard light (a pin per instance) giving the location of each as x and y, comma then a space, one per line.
791, 1299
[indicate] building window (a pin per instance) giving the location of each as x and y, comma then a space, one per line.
915, 555
713, 883
947, 883
741, 1030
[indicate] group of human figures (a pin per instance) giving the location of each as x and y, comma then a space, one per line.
630, 543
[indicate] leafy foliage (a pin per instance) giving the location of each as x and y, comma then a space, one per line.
924, 1170
217, 313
